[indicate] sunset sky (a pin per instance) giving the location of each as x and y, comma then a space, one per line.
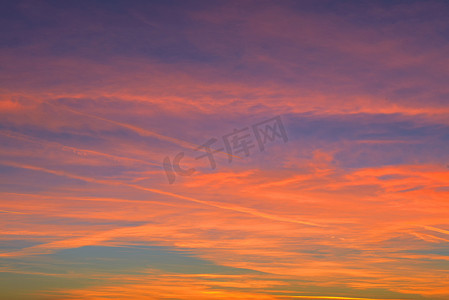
351, 201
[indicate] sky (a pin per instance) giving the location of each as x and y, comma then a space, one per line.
224, 149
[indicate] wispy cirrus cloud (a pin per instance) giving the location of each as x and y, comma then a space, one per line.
94, 96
